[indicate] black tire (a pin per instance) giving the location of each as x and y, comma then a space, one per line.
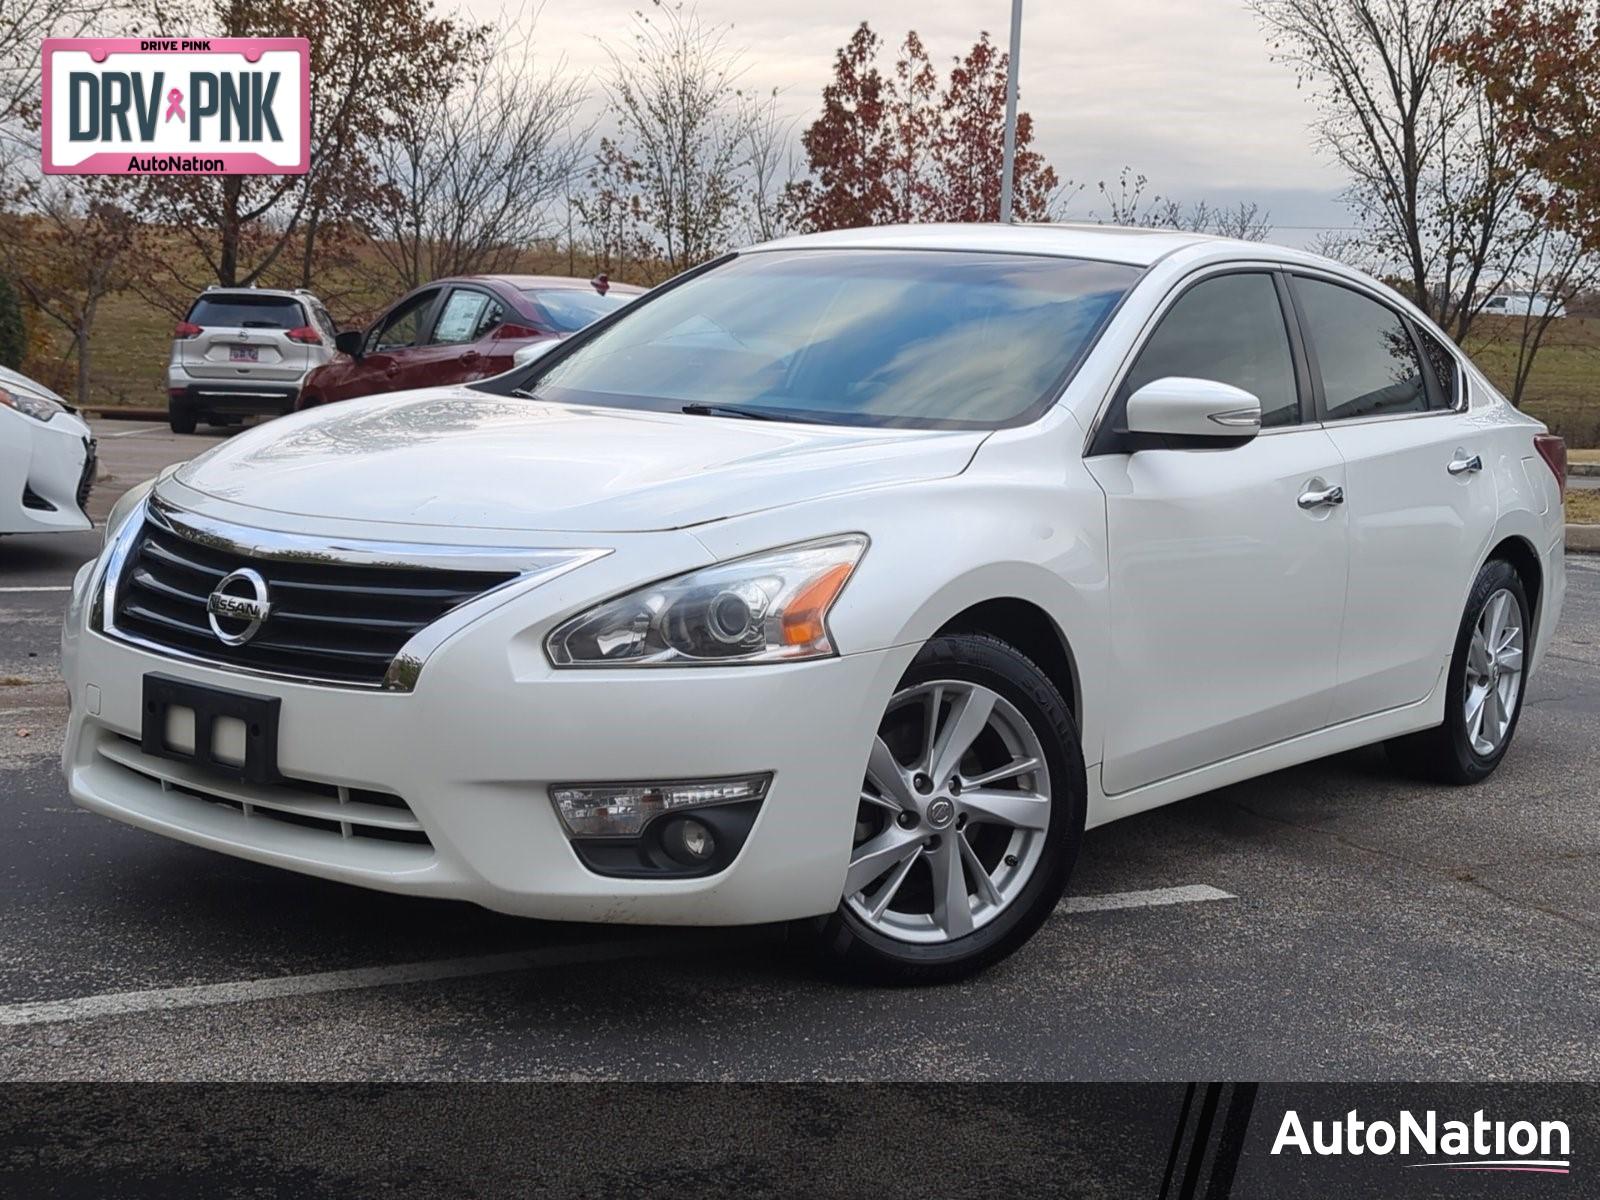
1445, 753
848, 946
182, 420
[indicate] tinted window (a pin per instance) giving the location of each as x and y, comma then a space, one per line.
244, 311
568, 310
460, 318
1231, 330
1369, 365
1444, 366
400, 328
883, 337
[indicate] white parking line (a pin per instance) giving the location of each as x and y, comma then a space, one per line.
133, 432
13, 591
114, 1004
1172, 895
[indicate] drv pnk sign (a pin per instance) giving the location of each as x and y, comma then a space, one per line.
177, 106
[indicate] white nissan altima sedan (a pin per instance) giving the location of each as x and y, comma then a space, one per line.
845, 580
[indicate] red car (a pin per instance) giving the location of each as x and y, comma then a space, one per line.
457, 330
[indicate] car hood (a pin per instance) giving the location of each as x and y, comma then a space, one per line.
457, 457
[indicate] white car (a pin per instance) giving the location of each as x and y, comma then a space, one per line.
847, 579
47, 459
244, 352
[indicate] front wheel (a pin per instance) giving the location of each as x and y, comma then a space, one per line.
1483, 692
969, 819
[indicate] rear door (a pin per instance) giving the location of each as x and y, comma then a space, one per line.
1420, 503
460, 345
1227, 582
244, 336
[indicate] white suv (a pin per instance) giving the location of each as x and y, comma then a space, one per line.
243, 351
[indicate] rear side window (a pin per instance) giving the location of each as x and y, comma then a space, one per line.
569, 309
1444, 367
244, 311
1229, 329
1364, 350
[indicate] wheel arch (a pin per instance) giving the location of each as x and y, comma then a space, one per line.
1524, 559
1031, 630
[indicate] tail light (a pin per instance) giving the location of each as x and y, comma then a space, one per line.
1554, 452
184, 330
306, 335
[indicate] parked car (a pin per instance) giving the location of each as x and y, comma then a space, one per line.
242, 352
47, 459
459, 330
846, 581
1521, 304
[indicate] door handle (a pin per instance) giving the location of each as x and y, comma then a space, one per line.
471, 356
1321, 499
1463, 466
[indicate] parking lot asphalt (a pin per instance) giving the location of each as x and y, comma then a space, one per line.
1332, 921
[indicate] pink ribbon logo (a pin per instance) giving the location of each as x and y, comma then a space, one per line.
175, 105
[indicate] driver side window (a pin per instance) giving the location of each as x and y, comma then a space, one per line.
400, 330
1229, 329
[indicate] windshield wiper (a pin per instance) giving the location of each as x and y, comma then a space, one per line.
735, 410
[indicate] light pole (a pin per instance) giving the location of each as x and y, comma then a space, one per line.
1009, 166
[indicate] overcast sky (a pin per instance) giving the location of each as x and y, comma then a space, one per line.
1181, 90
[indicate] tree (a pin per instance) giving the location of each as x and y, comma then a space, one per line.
1432, 179
895, 148
969, 150
1126, 204
77, 249
373, 63
469, 181
671, 179
13, 332
1538, 62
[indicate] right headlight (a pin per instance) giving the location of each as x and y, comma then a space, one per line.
770, 607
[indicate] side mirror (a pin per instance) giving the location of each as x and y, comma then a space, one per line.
1194, 408
349, 342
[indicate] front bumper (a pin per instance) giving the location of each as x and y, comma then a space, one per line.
472, 752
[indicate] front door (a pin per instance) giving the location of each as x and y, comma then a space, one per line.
1420, 494
1226, 586
391, 362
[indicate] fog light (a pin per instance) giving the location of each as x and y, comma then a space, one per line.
689, 841
622, 810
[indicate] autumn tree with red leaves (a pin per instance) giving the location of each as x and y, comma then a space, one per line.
1539, 63
894, 146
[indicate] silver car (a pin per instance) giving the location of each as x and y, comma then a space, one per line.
242, 352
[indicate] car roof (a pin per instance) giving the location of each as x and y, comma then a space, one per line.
1108, 243
218, 291
524, 282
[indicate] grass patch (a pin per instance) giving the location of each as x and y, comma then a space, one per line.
1583, 506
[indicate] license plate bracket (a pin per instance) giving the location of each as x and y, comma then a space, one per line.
259, 715
244, 354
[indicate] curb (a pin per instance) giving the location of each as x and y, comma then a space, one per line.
1583, 539
1585, 469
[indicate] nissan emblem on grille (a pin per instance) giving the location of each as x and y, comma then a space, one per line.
235, 608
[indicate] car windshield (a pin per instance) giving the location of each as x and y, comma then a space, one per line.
916, 339
570, 309
246, 312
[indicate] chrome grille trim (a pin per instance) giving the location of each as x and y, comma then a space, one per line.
528, 568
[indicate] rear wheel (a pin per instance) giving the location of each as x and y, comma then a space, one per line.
969, 818
1483, 692
182, 419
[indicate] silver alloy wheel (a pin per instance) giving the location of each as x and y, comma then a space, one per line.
966, 799
1494, 673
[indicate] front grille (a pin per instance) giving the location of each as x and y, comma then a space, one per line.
341, 812
329, 621
86, 480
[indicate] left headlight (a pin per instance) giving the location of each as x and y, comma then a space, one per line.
770, 607
127, 504
40, 408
